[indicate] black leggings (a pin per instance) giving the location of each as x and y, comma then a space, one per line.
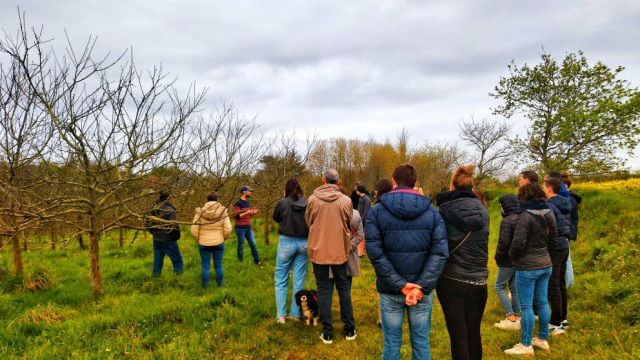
463, 306
558, 286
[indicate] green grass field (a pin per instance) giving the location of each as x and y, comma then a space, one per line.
173, 317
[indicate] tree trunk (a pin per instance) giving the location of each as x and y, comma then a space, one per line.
80, 241
1, 242
17, 256
25, 245
94, 264
266, 227
53, 239
121, 238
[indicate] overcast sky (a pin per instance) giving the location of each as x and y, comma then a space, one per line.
348, 68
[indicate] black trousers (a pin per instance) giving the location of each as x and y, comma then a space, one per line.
463, 306
325, 296
558, 286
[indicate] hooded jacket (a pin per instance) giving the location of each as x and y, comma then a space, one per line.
576, 200
357, 236
561, 207
510, 210
465, 217
406, 241
163, 230
211, 224
328, 216
289, 213
536, 227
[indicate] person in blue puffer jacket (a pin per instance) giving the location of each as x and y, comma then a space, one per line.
406, 241
559, 252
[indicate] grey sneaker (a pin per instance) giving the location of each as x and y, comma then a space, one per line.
520, 349
539, 343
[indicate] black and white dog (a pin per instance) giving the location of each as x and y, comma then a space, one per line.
308, 301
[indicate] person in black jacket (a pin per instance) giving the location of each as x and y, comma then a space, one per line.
535, 228
355, 198
506, 272
576, 200
559, 252
462, 286
161, 223
292, 248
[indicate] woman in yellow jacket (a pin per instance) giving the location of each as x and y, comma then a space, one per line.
211, 227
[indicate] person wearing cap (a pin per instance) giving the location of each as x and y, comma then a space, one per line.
161, 223
364, 204
242, 213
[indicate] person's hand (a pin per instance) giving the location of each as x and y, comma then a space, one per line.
408, 287
254, 211
413, 297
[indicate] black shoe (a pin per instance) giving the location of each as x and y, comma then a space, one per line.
327, 339
351, 335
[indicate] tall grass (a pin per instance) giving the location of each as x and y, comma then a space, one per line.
174, 317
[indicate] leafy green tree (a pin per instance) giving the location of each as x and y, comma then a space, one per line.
582, 116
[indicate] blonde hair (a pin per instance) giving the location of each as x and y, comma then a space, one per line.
462, 178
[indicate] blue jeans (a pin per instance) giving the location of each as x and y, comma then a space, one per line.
532, 291
392, 309
507, 275
248, 234
569, 274
170, 249
206, 252
292, 253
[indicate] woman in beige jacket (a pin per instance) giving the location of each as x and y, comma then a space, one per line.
211, 227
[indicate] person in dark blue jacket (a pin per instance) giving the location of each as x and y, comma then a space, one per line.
559, 252
462, 287
406, 241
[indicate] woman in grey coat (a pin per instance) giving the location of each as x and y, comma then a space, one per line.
357, 236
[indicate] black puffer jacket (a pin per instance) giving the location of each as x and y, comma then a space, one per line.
162, 229
536, 227
289, 214
465, 215
561, 207
510, 210
576, 200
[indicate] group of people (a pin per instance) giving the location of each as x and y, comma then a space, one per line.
416, 250
211, 228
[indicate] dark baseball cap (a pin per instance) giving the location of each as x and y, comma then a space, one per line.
245, 188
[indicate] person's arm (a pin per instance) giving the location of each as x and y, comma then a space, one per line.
552, 238
226, 226
359, 230
279, 211
365, 209
385, 270
504, 240
520, 236
195, 228
438, 254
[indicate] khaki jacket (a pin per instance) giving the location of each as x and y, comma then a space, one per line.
211, 224
328, 216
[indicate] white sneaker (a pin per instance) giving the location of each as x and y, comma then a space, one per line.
280, 320
542, 344
507, 324
520, 349
556, 330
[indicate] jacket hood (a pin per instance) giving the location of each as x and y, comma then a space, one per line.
534, 205
328, 193
510, 204
404, 203
462, 209
576, 197
298, 205
562, 203
211, 210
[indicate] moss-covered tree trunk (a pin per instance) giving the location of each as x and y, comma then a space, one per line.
80, 241
266, 227
121, 238
94, 260
53, 239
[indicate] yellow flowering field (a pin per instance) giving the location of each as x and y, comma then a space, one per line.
629, 185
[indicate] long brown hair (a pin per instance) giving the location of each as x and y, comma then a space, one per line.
383, 186
293, 189
531, 191
481, 197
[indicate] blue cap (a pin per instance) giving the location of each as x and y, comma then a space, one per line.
245, 188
